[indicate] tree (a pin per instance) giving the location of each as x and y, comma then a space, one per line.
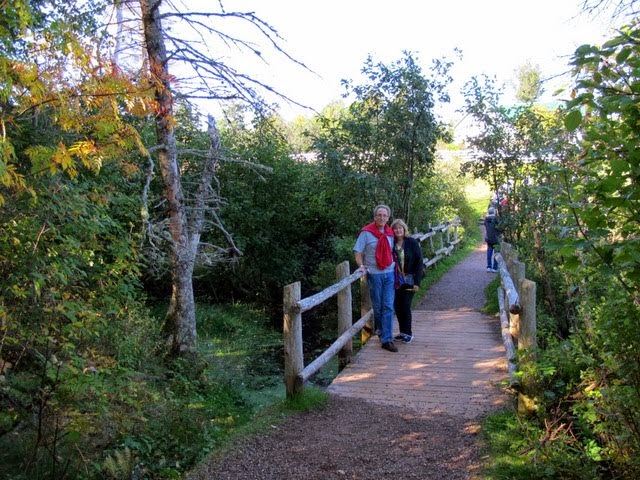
617, 8
53, 70
529, 86
602, 198
495, 141
212, 80
578, 209
391, 129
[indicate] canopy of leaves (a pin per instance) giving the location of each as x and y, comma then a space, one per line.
58, 82
389, 133
573, 214
529, 86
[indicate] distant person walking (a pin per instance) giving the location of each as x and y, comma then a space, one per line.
408, 258
373, 254
492, 237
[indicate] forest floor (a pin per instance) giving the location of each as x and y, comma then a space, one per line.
355, 439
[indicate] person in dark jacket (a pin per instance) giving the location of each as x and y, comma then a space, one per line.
409, 261
492, 237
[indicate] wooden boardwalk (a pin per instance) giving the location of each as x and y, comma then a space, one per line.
455, 365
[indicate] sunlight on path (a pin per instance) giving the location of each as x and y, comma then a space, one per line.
455, 365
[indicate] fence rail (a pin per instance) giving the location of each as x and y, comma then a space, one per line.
296, 374
517, 305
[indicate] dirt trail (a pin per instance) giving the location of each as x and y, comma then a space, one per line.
355, 439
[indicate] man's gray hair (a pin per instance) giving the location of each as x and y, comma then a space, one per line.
378, 207
491, 211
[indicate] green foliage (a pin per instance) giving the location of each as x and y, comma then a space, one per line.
576, 226
442, 197
491, 306
70, 305
311, 398
280, 219
62, 109
529, 86
388, 135
520, 450
239, 339
153, 422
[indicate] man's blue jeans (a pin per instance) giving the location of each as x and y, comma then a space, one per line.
382, 291
491, 260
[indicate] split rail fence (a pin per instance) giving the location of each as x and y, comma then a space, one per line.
517, 303
442, 239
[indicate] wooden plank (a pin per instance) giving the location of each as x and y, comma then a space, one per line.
335, 347
315, 300
455, 364
507, 283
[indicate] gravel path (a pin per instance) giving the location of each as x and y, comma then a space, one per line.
462, 287
355, 439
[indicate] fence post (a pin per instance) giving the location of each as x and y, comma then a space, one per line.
345, 315
517, 272
527, 340
430, 230
456, 222
365, 305
505, 251
292, 335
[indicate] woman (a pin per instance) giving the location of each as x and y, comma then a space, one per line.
373, 253
409, 261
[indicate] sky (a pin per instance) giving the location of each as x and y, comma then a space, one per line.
334, 37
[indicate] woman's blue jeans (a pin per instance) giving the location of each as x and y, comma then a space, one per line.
382, 291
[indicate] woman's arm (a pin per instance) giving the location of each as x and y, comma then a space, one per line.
414, 252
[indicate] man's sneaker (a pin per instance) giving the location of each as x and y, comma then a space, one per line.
408, 339
494, 270
400, 336
390, 347
489, 269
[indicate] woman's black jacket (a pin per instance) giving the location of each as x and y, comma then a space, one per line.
412, 259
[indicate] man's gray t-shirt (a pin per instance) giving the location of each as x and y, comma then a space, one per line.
366, 244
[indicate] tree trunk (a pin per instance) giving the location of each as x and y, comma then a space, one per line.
180, 322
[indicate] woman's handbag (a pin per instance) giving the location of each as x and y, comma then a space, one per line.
402, 280
408, 282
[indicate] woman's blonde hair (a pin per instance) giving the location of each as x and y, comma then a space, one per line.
399, 221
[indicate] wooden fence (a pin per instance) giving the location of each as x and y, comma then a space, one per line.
517, 302
296, 374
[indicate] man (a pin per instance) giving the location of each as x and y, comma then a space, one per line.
373, 255
491, 236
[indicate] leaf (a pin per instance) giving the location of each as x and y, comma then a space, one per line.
623, 55
611, 184
619, 165
573, 120
73, 436
571, 263
614, 42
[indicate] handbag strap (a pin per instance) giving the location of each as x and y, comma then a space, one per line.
398, 249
